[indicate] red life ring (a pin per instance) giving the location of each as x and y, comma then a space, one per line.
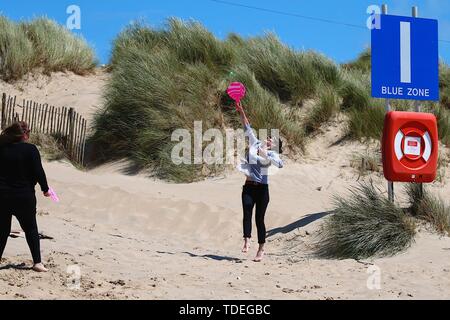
413, 146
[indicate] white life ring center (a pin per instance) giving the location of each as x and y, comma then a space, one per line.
411, 146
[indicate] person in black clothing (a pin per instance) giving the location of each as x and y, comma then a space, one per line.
20, 170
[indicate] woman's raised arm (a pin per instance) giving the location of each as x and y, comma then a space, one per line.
241, 111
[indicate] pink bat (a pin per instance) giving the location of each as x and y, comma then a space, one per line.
236, 91
53, 195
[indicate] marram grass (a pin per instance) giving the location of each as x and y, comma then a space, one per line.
44, 45
364, 224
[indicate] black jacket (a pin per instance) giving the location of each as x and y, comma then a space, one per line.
21, 168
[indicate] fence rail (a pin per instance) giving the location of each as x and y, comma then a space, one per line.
64, 124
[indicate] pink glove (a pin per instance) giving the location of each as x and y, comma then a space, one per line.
53, 195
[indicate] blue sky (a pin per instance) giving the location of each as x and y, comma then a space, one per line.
101, 20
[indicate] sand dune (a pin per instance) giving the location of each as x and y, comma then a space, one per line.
83, 93
135, 237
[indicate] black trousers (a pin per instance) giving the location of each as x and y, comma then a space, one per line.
23, 207
255, 195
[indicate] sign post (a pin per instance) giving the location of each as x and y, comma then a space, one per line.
384, 10
415, 14
405, 62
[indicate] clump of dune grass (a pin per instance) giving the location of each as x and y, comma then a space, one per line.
41, 44
266, 57
367, 163
326, 108
136, 35
364, 224
444, 84
365, 114
443, 118
193, 43
367, 123
443, 162
16, 51
362, 63
428, 207
354, 90
58, 49
264, 110
189, 42
293, 76
48, 145
164, 80
149, 96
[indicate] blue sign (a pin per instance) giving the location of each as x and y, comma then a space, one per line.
405, 58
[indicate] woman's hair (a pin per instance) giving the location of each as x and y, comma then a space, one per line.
14, 133
277, 145
280, 145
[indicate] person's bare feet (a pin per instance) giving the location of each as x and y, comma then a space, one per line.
39, 267
246, 246
259, 255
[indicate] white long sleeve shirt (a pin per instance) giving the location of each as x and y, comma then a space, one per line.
256, 167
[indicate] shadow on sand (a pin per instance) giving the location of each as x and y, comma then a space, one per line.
214, 257
298, 224
21, 266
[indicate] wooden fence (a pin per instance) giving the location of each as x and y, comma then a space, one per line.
64, 124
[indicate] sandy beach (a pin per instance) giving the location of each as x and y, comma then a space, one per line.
134, 237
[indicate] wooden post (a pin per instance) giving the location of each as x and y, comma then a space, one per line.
8, 115
58, 120
52, 109
23, 110
14, 110
26, 111
65, 129
55, 117
41, 118
38, 115
45, 126
83, 141
80, 139
71, 120
77, 145
61, 131
24, 115
58, 125
33, 116
3, 111
73, 134
61, 121
75, 140
44, 117
65, 126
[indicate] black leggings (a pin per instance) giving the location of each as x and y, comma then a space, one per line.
23, 207
255, 195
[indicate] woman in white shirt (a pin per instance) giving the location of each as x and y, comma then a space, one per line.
255, 192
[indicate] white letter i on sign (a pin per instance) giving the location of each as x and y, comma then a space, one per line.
405, 52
